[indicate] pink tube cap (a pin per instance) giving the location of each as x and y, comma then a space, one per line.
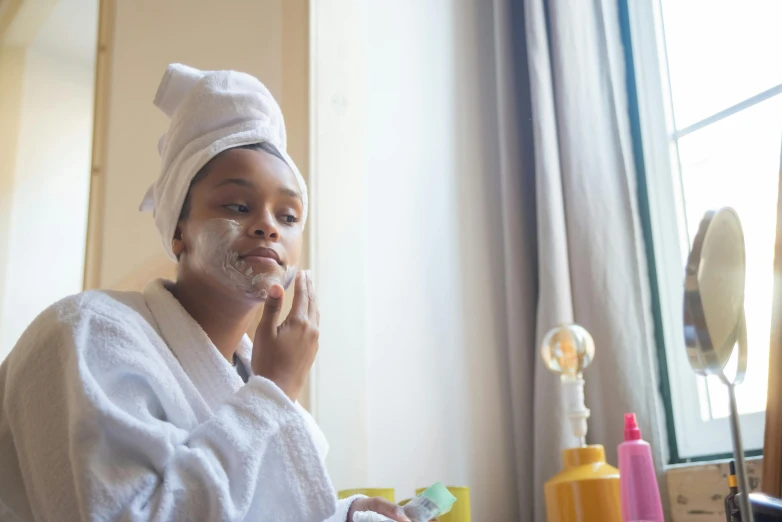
632, 431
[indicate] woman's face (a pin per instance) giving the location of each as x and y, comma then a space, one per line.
242, 231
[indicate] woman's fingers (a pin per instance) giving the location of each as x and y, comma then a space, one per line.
388, 509
285, 356
271, 311
300, 296
314, 313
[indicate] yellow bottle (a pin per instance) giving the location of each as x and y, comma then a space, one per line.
586, 490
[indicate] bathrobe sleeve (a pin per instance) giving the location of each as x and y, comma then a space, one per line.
96, 418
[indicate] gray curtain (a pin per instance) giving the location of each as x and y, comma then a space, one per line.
573, 247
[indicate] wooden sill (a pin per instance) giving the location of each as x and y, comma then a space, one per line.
696, 491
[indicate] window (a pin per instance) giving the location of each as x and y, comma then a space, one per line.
708, 82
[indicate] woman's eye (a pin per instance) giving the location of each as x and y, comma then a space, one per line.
243, 209
290, 218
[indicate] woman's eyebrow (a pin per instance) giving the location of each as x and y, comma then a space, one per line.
285, 191
290, 193
236, 181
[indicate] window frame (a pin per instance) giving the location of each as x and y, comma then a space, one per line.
655, 147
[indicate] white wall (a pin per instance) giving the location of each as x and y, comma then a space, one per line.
409, 385
46, 243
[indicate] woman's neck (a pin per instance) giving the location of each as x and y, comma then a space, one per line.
224, 320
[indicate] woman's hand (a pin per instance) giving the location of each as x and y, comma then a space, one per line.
378, 505
284, 354
381, 506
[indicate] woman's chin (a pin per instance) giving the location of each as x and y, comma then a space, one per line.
252, 281
258, 285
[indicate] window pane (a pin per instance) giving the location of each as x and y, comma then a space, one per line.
720, 52
736, 162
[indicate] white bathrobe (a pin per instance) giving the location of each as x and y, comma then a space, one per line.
117, 406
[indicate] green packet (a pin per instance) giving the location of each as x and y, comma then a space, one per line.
433, 502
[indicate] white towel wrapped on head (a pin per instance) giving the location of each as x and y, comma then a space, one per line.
210, 112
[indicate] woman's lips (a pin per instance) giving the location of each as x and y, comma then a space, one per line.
260, 261
261, 256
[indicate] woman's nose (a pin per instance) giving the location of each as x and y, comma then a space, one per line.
265, 227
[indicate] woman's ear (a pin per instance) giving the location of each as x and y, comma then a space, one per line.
178, 244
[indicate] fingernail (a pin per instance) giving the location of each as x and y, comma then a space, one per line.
275, 292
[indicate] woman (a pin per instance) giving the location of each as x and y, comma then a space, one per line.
156, 405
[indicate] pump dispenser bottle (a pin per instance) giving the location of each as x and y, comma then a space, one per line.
587, 488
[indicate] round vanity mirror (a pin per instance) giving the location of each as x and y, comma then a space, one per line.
715, 330
714, 324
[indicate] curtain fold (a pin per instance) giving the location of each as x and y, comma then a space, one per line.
573, 246
520, 257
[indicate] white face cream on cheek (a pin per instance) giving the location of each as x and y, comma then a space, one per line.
213, 255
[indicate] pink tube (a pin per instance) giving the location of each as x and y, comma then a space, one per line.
637, 477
